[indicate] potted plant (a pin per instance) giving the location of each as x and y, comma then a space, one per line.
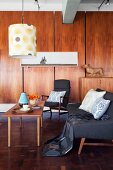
33, 99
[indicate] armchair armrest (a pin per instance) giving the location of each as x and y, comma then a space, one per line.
61, 99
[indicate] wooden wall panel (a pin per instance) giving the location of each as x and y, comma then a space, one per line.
99, 41
44, 23
52, 35
73, 74
39, 80
10, 70
87, 84
71, 37
94, 83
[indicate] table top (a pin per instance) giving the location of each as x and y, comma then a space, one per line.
34, 111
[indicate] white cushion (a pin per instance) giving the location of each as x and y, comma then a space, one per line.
90, 98
55, 96
99, 107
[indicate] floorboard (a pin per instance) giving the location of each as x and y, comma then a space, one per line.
24, 155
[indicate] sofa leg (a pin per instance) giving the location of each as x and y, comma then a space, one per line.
81, 145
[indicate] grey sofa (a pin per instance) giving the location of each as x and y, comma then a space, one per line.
90, 127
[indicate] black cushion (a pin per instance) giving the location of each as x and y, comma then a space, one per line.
108, 96
110, 110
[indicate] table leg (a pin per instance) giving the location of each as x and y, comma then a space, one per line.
38, 131
9, 131
41, 121
20, 122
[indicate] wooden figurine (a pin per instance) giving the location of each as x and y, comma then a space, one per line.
93, 72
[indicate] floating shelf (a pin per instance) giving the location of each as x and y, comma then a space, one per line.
52, 59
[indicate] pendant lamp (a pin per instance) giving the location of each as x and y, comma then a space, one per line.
22, 39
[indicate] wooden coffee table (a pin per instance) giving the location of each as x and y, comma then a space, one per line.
35, 113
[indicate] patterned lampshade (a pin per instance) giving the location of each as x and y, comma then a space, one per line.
22, 40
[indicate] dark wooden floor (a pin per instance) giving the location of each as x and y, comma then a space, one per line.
24, 155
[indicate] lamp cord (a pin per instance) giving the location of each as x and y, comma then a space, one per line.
37, 4
22, 20
22, 11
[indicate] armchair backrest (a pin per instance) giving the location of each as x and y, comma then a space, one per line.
63, 85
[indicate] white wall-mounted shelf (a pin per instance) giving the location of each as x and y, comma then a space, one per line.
52, 59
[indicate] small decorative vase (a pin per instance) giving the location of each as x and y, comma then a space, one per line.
33, 101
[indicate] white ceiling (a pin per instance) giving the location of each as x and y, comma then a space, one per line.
51, 5
31, 5
29, 1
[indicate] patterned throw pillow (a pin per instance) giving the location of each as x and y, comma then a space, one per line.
89, 99
99, 108
55, 96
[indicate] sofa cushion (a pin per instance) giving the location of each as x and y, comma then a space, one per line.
108, 96
99, 107
110, 110
89, 99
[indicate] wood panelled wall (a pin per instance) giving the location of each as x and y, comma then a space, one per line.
10, 70
71, 37
52, 35
44, 23
99, 41
105, 83
40, 79
99, 50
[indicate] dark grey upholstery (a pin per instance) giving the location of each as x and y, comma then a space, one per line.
63, 85
60, 85
81, 124
51, 104
93, 129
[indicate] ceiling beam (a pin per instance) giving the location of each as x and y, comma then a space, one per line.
69, 9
